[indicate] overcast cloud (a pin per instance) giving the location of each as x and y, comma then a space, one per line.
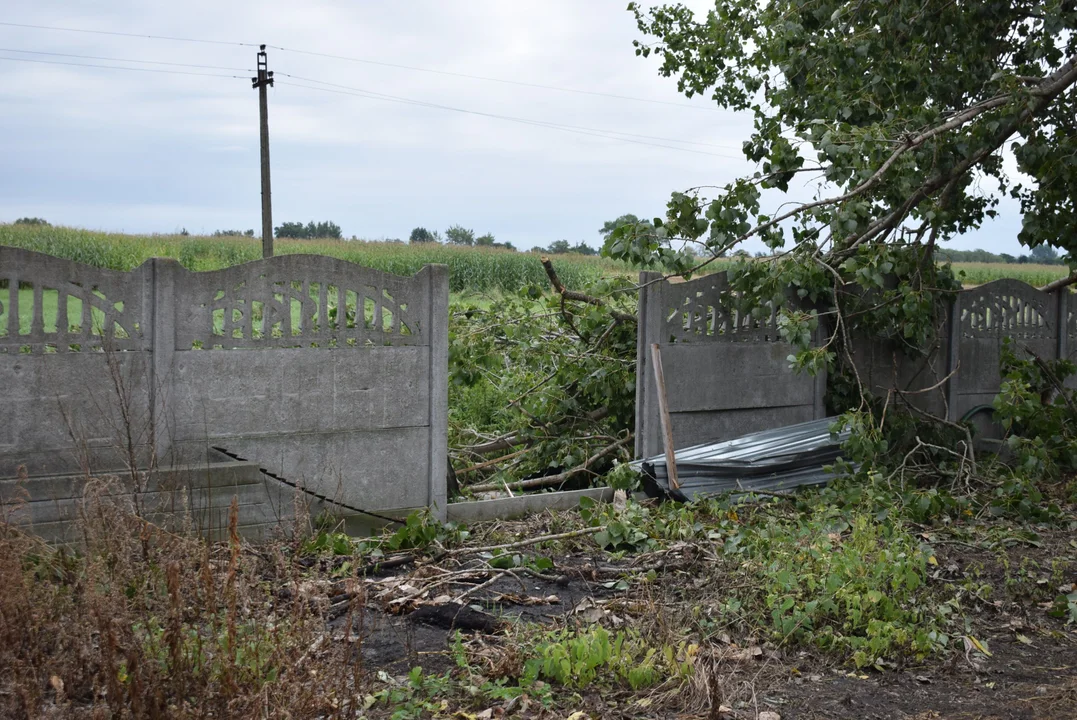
149, 152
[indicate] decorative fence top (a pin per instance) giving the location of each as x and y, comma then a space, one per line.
700, 311
1008, 307
50, 304
300, 301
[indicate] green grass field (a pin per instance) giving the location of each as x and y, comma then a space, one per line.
470, 269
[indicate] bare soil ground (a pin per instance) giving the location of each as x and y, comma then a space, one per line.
333, 636
1031, 672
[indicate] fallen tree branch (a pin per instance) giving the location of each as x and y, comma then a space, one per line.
488, 463
528, 541
579, 296
559, 477
1059, 284
511, 440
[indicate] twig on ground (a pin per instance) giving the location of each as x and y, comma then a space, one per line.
471, 591
527, 541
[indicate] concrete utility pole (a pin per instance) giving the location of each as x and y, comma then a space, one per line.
265, 79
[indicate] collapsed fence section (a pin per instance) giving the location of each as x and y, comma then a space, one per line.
320, 371
727, 371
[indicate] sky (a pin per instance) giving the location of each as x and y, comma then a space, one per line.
145, 152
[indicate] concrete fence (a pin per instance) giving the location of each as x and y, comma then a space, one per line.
727, 372
314, 369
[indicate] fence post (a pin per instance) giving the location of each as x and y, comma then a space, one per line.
161, 313
819, 401
650, 308
1062, 326
953, 357
437, 324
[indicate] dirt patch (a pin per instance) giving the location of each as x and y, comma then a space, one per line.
421, 634
1030, 674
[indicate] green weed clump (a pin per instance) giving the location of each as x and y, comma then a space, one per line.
856, 587
470, 269
578, 659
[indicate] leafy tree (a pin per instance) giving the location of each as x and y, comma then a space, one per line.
233, 233
290, 230
420, 235
901, 106
32, 221
324, 230
1044, 254
486, 240
310, 231
895, 114
901, 111
458, 235
625, 220
562, 247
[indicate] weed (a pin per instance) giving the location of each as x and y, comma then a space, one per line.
578, 659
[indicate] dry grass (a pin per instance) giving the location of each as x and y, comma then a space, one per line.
145, 623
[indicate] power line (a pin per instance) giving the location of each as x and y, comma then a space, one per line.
126, 34
121, 67
313, 53
128, 60
490, 79
609, 135
507, 117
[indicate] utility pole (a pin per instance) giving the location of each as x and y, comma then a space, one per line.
265, 79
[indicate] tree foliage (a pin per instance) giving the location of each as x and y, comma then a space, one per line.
893, 118
563, 247
31, 221
627, 219
421, 235
904, 107
235, 233
459, 235
310, 231
900, 113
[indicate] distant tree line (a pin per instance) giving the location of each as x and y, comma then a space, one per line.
233, 233
32, 221
562, 247
310, 231
1041, 254
458, 235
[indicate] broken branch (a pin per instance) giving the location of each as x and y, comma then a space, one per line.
554, 479
579, 296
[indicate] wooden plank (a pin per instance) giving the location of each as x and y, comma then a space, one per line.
663, 415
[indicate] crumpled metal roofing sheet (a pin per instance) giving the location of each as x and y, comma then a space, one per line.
776, 459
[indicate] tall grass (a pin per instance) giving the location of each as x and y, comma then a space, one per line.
470, 269
979, 273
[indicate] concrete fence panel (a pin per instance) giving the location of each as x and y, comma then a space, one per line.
727, 372
317, 370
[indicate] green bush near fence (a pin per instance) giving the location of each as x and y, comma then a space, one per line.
470, 269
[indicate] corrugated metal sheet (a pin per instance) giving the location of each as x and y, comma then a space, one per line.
771, 460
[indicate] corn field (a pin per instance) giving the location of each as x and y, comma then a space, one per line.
470, 269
